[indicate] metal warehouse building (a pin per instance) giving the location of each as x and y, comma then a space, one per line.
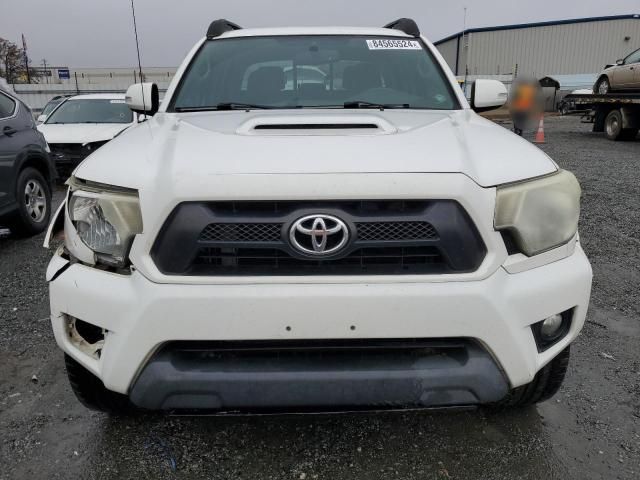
569, 47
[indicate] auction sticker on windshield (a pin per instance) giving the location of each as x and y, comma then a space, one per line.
393, 44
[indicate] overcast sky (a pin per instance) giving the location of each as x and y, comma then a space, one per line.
99, 33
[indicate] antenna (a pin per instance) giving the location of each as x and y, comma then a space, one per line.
135, 31
465, 47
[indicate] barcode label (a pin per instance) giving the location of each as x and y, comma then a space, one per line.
393, 44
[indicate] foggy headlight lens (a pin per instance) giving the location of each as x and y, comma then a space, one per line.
540, 214
106, 222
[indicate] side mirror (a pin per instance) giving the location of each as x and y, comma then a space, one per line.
41, 118
488, 95
620, 62
143, 98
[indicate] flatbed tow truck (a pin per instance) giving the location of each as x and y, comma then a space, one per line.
615, 114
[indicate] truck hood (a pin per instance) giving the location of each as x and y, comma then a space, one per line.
173, 147
80, 132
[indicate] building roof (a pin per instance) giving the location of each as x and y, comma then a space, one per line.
539, 24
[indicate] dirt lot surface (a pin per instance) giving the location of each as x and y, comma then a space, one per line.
590, 430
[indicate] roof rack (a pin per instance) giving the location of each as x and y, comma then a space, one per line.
406, 25
218, 27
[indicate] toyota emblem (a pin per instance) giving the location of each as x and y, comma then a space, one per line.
318, 235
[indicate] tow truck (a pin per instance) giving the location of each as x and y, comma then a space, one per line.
615, 114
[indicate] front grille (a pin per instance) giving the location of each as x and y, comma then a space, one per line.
387, 231
68, 152
315, 354
270, 232
386, 237
241, 232
372, 261
67, 156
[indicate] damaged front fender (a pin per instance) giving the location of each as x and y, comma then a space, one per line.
61, 228
57, 265
55, 230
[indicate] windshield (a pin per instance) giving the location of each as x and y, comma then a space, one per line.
51, 105
92, 111
330, 71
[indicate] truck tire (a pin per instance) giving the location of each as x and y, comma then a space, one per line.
613, 127
91, 392
545, 384
34, 203
603, 87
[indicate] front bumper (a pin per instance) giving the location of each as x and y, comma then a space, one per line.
290, 375
66, 161
140, 316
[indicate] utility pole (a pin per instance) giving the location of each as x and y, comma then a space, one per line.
44, 69
26, 58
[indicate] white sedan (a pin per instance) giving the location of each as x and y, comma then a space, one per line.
81, 124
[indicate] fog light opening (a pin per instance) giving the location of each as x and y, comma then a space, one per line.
86, 337
551, 326
552, 329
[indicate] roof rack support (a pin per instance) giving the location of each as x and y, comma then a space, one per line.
406, 25
218, 27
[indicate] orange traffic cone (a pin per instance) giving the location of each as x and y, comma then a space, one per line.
540, 133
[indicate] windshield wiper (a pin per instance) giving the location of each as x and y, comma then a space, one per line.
381, 106
240, 106
223, 106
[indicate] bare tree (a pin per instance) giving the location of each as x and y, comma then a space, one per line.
12, 64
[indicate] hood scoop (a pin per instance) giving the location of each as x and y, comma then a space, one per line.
316, 125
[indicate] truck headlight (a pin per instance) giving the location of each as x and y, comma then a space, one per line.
105, 219
540, 214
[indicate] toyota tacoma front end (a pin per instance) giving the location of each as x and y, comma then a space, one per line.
315, 218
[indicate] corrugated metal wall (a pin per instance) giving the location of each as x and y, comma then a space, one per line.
574, 48
448, 51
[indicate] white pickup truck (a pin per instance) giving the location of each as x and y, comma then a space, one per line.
275, 240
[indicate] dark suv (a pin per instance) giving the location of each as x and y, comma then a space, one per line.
26, 171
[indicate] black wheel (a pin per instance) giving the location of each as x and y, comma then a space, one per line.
92, 393
34, 203
603, 87
613, 127
545, 384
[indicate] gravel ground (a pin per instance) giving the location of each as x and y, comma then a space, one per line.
590, 430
